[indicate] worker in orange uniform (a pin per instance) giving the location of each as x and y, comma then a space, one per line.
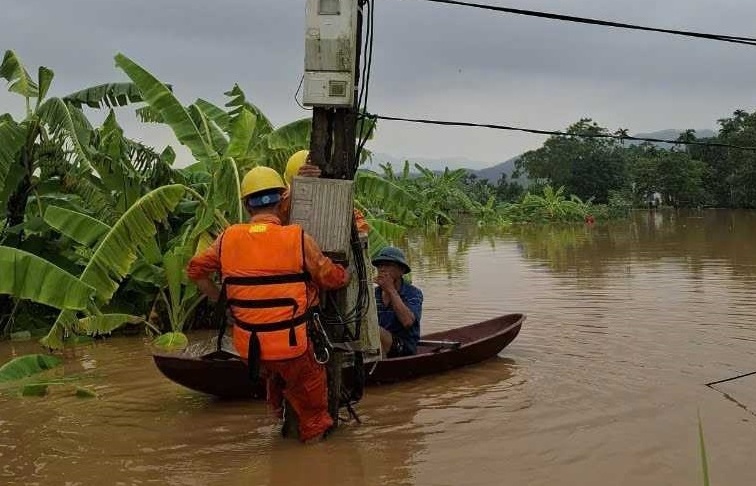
270, 275
299, 165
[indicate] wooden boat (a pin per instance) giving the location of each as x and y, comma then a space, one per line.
224, 375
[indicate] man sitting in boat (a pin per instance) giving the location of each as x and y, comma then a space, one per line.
399, 304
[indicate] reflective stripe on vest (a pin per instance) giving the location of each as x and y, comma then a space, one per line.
266, 282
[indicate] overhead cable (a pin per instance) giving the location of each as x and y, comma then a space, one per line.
555, 133
605, 23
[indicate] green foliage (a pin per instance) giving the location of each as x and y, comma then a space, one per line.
93, 210
162, 101
34, 390
17, 77
12, 137
116, 254
586, 167
550, 206
105, 95
27, 365
104, 323
27, 276
80, 227
171, 341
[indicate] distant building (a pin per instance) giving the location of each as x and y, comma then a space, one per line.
653, 199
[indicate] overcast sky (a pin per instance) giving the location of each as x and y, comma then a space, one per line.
430, 60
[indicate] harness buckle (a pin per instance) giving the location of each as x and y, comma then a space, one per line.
321, 343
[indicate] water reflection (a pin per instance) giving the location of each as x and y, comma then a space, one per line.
444, 250
398, 422
691, 238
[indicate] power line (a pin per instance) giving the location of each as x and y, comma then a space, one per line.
751, 41
555, 133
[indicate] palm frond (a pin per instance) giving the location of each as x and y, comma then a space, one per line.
51, 284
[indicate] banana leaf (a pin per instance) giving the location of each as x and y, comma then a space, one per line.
275, 148
161, 99
226, 191
27, 365
44, 78
238, 101
116, 254
12, 138
18, 78
64, 118
381, 234
27, 276
105, 323
215, 113
81, 228
171, 341
213, 135
105, 95
136, 228
241, 128
147, 114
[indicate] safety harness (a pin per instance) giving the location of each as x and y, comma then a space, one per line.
224, 309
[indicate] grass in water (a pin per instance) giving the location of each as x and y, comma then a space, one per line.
702, 447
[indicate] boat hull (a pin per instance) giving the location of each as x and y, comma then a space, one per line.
225, 376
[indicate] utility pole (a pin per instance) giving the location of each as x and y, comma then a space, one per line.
332, 148
332, 60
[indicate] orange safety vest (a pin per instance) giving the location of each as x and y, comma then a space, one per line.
265, 285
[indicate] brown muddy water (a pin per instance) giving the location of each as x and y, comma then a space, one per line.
626, 322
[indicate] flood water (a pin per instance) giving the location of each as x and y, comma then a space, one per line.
626, 322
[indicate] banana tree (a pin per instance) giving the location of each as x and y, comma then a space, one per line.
113, 258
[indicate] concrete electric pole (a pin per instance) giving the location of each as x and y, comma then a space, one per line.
324, 206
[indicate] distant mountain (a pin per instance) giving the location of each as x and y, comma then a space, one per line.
493, 173
671, 134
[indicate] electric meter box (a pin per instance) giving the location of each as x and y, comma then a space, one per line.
330, 52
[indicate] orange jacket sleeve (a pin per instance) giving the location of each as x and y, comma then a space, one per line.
204, 264
285, 210
326, 274
362, 226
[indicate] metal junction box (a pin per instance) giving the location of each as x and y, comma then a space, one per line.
330, 52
